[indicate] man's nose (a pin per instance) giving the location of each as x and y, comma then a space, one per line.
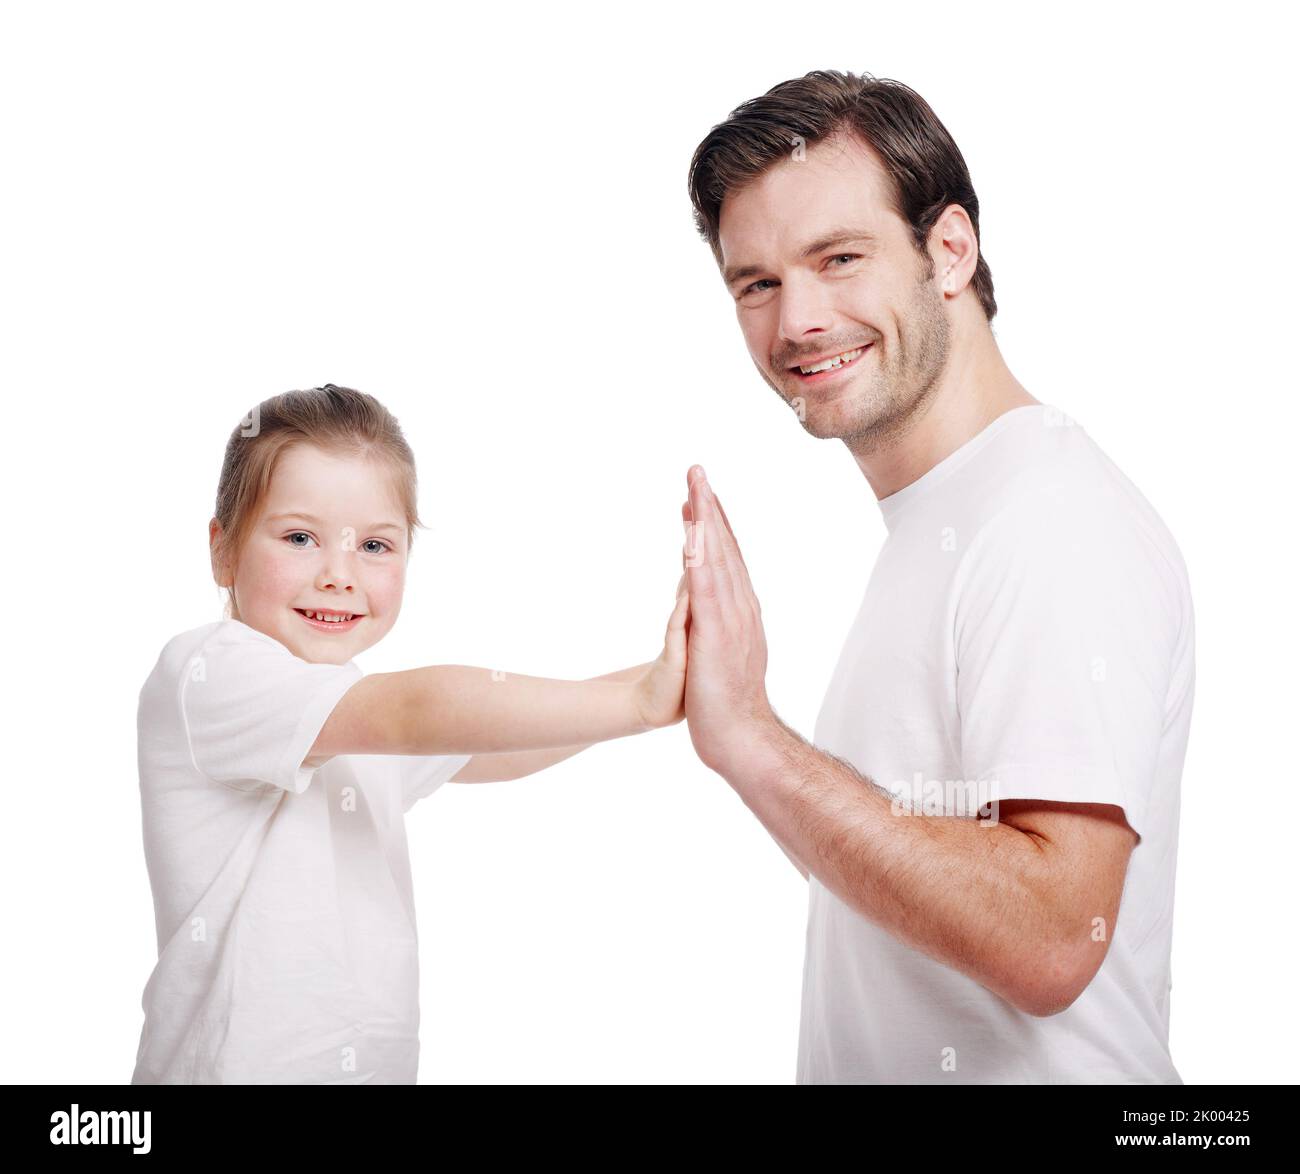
805, 308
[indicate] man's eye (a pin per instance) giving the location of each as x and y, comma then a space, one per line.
845, 256
754, 287
297, 534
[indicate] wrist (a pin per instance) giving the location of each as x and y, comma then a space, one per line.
644, 708
758, 745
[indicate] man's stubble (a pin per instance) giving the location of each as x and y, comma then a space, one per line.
888, 401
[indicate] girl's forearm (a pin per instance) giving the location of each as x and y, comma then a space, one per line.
637, 670
518, 764
459, 709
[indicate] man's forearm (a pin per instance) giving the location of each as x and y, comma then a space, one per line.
974, 895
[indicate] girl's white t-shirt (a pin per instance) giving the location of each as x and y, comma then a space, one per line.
1027, 633
287, 949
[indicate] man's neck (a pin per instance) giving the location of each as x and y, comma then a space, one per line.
974, 390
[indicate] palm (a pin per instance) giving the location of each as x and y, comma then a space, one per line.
725, 698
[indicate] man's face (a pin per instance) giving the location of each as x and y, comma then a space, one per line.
819, 264
330, 536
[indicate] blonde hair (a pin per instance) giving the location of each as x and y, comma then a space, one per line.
339, 420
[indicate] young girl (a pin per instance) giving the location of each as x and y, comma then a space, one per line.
274, 776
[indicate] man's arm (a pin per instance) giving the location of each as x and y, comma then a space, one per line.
1025, 905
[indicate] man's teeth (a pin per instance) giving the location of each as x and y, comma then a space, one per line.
832, 363
320, 615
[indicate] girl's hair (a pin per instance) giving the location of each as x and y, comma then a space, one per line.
925, 168
339, 420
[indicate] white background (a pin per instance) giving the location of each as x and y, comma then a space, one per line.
483, 221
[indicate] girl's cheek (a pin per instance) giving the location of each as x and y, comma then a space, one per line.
283, 575
272, 577
386, 587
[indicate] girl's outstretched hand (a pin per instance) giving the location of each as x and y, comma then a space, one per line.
661, 690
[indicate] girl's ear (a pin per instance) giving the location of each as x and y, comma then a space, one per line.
218, 565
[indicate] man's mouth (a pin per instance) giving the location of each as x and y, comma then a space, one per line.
826, 369
328, 620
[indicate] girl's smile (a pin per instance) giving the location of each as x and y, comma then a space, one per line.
346, 623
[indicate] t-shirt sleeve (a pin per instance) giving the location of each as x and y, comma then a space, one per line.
1064, 631
252, 709
423, 774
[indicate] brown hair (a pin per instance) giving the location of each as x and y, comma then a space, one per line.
927, 170
337, 419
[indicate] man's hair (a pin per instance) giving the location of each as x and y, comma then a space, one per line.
926, 170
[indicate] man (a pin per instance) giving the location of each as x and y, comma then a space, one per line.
987, 815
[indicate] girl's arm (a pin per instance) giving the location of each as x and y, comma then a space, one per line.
456, 709
518, 764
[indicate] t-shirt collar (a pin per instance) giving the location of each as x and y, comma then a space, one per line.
891, 507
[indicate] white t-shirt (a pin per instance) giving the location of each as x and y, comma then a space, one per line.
282, 895
1027, 633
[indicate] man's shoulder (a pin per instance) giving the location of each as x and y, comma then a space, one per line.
1063, 493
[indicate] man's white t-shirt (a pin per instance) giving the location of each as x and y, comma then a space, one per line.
283, 904
1027, 633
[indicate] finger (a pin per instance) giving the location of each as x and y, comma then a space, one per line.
704, 581
730, 532
717, 548
689, 545
694, 544
744, 587
678, 619
675, 635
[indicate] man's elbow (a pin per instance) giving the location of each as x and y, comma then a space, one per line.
1053, 981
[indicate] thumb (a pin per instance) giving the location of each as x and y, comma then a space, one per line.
677, 621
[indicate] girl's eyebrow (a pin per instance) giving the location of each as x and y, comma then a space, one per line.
317, 522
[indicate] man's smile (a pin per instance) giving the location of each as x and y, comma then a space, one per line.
825, 369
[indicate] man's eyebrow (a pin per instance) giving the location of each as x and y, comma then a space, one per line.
830, 240
316, 522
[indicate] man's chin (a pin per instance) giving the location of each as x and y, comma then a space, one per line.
827, 421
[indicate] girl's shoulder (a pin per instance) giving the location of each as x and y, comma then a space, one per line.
185, 654
219, 632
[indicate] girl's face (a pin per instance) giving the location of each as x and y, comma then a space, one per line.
330, 537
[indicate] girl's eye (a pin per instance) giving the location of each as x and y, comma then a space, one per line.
366, 546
